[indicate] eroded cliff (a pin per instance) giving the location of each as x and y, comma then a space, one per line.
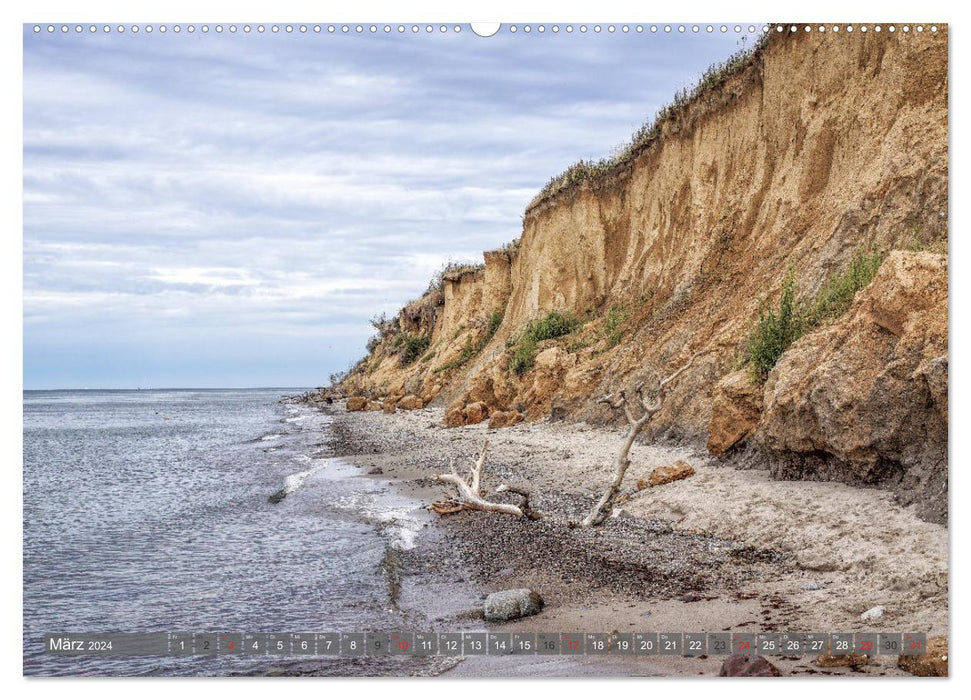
820, 146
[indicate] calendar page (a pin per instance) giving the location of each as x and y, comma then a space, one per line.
464, 350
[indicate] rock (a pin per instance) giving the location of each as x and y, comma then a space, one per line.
373, 406
873, 613
504, 419
812, 586
410, 403
744, 666
475, 413
376, 471
278, 496
512, 604
389, 405
455, 415
933, 663
357, 403
844, 661
736, 406
861, 400
664, 475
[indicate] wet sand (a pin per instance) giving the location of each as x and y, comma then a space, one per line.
724, 550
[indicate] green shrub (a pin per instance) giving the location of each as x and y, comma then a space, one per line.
613, 321
495, 320
552, 325
410, 346
523, 356
776, 329
555, 324
837, 294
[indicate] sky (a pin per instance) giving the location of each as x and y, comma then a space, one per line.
230, 210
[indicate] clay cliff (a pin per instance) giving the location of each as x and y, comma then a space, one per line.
818, 147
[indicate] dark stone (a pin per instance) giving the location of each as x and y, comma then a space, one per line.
743, 666
278, 496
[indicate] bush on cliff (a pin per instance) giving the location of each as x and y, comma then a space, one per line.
778, 328
553, 325
410, 346
837, 294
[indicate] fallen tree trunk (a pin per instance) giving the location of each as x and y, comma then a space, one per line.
471, 496
603, 508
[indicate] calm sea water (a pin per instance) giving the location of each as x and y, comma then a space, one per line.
148, 511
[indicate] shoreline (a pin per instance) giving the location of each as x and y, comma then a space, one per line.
724, 550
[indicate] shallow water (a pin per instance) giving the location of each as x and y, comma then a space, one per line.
148, 511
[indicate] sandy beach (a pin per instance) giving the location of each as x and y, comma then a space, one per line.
724, 550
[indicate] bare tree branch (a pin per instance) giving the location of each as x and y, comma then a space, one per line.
472, 498
601, 511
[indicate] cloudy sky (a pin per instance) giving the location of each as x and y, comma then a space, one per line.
229, 209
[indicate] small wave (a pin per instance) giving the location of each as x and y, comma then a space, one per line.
271, 436
295, 419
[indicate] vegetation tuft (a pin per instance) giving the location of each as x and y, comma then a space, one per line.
837, 294
553, 325
613, 321
779, 327
776, 329
470, 349
410, 346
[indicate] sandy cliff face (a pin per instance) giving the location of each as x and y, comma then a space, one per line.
823, 144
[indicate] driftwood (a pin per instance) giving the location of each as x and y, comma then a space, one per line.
472, 496
602, 510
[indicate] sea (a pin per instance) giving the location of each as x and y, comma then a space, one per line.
150, 511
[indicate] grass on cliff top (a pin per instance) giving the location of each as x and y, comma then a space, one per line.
780, 326
555, 324
449, 269
584, 170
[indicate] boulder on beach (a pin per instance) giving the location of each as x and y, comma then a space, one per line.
673, 472
410, 403
357, 403
504, 419
512, 604
745, 666
475, 413
455, 415
388, 406
373, 406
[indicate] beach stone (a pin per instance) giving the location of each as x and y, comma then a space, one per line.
844, 661
664, 475
357, 403
504, 419
389, 406
512, 604
475, 413
410, 403
373, 406
744, 666
873, 613
933, 663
